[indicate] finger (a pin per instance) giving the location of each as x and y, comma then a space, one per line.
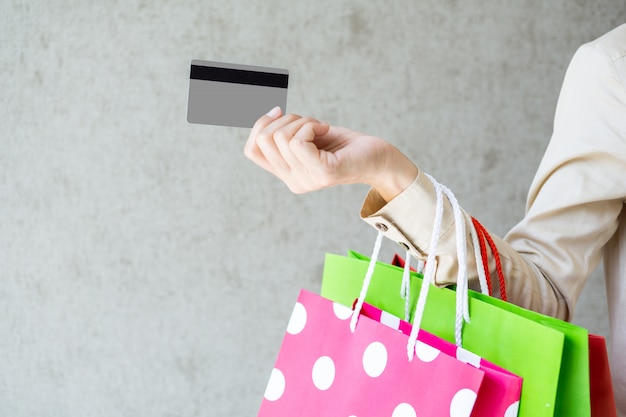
266, 119
285, 135
251, 149
303, 147
265, 141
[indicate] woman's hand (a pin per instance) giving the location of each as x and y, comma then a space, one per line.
309, 155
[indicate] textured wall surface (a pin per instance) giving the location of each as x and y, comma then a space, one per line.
146, 267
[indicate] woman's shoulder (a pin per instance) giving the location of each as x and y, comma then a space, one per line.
612, 44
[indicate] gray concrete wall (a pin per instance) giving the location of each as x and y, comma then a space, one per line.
146, 267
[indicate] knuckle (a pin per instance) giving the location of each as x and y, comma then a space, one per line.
262, 122
308, 121
253, 153
290, 118
264, 138
249, 151
282, 135
325, 182
299, 185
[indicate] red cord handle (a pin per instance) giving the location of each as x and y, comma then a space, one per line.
483, 236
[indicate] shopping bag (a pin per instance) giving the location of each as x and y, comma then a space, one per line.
573, 389
602, 398
520, 345
341, 281
500, 392
515, 343
573, 396
602, 402
324, 369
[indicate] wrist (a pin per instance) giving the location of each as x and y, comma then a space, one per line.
396, 174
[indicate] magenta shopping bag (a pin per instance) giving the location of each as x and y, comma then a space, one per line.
500, 392
325, 370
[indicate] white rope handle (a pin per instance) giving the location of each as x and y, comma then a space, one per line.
366, 281
405, 290
462, 295
429, 271
462, 285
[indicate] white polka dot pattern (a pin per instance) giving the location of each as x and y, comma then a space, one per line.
342, 312
375, 359
462, 403
275, 386
404, 410
321, 361
323, 373
297, 320
513, 410
426, 353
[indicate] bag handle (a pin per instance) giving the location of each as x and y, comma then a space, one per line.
462, 286
366, 281
405, 289
462, 309
479, 236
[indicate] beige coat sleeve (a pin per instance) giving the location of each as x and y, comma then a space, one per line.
573, 204
408, 220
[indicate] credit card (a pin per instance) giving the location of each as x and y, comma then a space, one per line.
235, 95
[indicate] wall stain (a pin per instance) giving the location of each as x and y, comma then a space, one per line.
490, 160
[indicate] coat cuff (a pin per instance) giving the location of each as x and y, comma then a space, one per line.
408, 220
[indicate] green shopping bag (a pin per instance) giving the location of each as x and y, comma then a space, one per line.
547, 353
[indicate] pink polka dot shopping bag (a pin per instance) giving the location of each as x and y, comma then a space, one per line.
500, 392
324, 369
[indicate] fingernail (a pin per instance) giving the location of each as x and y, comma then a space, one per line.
274, 112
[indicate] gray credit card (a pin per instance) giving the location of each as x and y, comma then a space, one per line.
234, 95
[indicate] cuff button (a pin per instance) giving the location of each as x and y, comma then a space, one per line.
382, 227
